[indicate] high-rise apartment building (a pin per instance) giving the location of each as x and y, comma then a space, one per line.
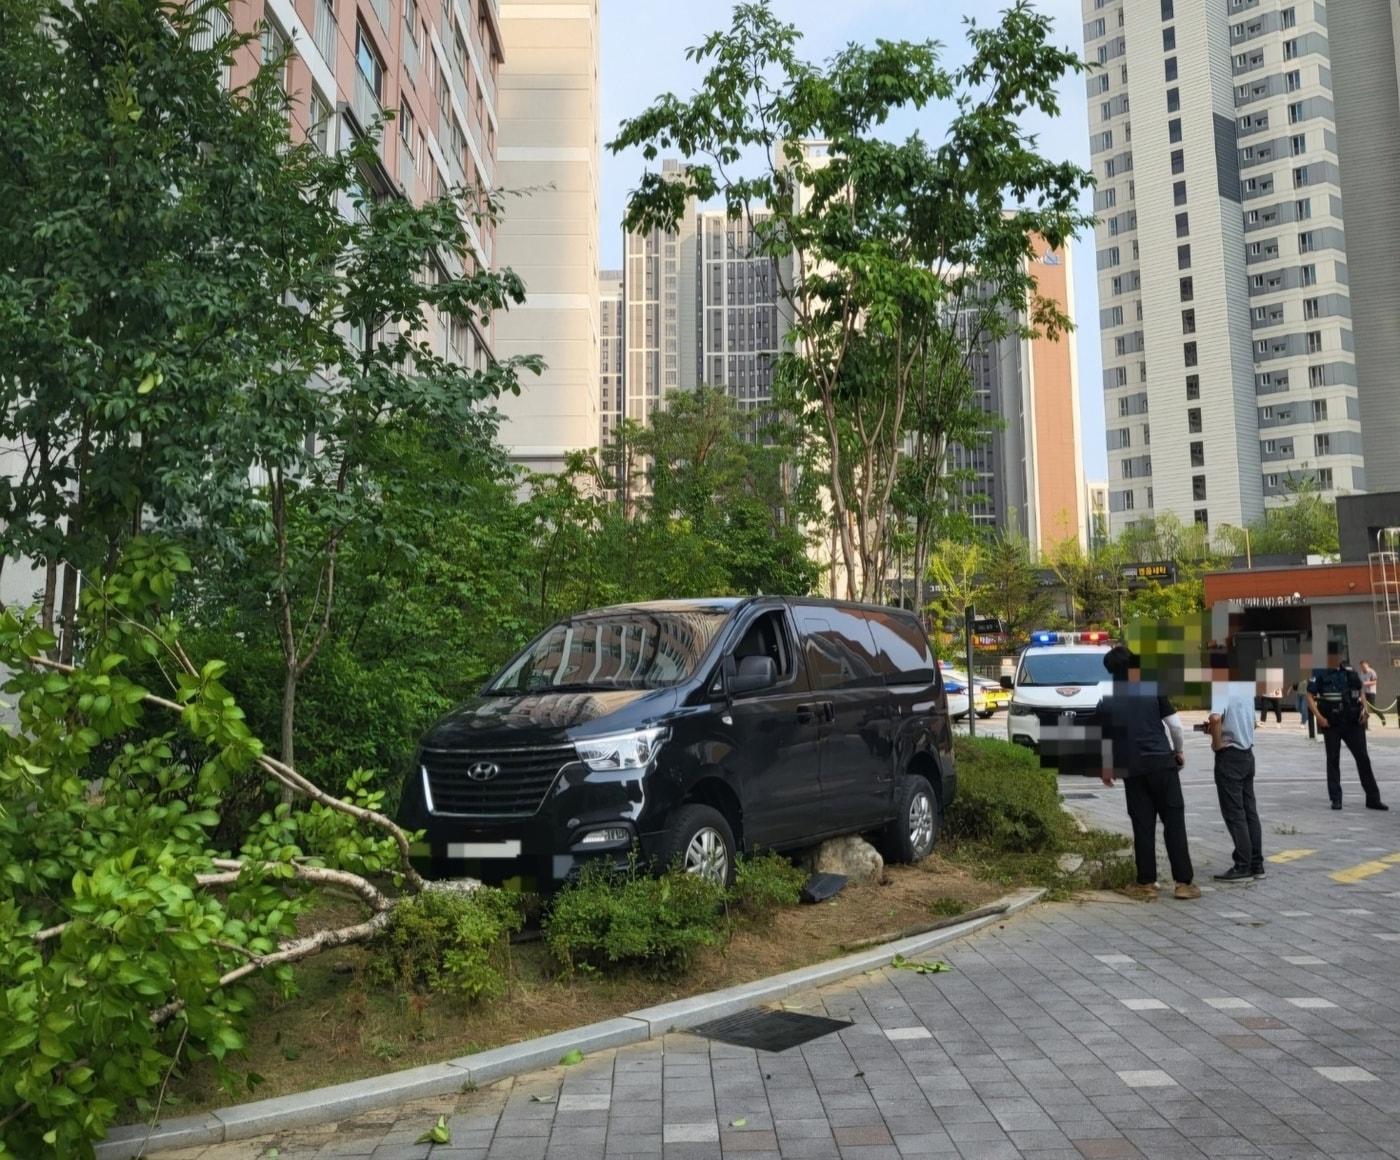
659, 292
739, 331
548, 151
1223, 283
1027, 475
1365, 34
611, 352
433, 65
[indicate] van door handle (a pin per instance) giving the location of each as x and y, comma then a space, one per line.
828, 710
806, 714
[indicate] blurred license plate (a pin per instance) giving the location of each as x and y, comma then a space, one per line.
483, 849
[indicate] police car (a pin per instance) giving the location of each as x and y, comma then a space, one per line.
1055, 695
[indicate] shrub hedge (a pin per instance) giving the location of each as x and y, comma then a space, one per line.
1006, 799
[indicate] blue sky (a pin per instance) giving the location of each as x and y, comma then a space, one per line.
643, 55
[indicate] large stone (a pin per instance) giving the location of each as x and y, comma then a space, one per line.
851, 856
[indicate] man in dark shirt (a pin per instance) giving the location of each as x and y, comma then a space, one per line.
1143, 744
1335, 701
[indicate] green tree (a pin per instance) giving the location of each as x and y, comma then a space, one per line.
1306, 525
1014, 593
956, 571
889, 247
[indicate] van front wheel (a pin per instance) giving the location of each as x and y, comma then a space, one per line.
699, 841
912, 833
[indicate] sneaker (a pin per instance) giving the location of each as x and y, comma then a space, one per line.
1144, 891
1187, 891
1336, 805
1377, 806
1234, 874
1260, 872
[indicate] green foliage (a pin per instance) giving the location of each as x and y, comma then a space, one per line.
764, 883
1305, 525
948, 907
104, 831
632, 920
452, 941
1006, 799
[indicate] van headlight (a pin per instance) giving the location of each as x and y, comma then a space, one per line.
618, 751
1019, 710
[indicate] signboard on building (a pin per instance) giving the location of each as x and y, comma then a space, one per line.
989, 626
1152, 572
1288, 600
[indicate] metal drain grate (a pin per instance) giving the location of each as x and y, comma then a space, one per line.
768, 1030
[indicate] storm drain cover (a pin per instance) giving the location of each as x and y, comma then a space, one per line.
1077, 797
768, 1030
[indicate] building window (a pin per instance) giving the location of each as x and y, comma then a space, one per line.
1183, 257
1198, 454
1193, 420
1303, 208
1198, 488
1188, 290
1312, 307
1183, 225
1314, 341
1287, 18
1169, 40
1127, 501
1174, 130
1178, 192
1300, 177
1290, 50
319, 122
1295, 112
1178, 161
1193, 387
1324, 481
1322, 445
1317, 376
1298, 143
1173, 100
1319, 410
1203, 517
1188, 322
1168, 10
367, 59
1171, 69
1188, 352
1293, 81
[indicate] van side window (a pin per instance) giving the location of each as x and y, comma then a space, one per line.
767, 637
839, 650
905, 657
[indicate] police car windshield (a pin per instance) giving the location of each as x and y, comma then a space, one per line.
1048, 667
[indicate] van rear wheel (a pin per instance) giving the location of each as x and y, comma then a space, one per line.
699, 840
914, 830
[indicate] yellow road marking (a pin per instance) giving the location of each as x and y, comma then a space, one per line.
1289, 855
1365, 869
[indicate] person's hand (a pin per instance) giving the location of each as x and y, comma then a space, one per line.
1106, 776
1322, 722
1180, 759
1213, 719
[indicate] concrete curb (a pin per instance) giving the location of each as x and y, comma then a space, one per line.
348, 1099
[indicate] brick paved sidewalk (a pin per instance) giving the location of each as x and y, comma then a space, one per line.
1263, 1020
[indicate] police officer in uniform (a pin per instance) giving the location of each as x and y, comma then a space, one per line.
1334, 698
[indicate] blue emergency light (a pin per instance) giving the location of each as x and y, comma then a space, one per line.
1044, 637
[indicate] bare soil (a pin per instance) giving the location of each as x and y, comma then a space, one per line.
338, 1027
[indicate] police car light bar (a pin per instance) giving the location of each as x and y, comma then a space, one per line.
1095, 637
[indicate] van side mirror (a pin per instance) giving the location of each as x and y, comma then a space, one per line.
753, 674
1006, 683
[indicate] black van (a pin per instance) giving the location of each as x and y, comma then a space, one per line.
690, 730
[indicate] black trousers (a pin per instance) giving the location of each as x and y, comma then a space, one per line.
1270, 703
1234, 786
1151, 796
1354, 736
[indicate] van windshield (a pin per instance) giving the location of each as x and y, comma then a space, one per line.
1048, 667
635, 649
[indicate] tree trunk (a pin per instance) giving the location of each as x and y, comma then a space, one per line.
289, 708
68, 614
50, 593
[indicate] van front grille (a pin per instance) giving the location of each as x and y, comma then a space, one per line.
518, 790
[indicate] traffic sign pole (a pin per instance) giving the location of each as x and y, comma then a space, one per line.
969, 617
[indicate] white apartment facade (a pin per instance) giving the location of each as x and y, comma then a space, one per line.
1366, 35
548, 154
1229, 371
740, 334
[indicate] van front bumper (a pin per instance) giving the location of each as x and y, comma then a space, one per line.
585, 817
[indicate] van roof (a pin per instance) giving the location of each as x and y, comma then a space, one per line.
729, 603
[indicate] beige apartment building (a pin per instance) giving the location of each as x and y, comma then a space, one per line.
548, 156
611, 353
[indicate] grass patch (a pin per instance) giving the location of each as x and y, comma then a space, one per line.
1008, 825
948, 907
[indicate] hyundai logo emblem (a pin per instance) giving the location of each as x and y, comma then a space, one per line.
483, 771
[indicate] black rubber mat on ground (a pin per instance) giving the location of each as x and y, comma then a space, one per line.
768, 1030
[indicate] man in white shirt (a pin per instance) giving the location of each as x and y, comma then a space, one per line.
1231, 729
